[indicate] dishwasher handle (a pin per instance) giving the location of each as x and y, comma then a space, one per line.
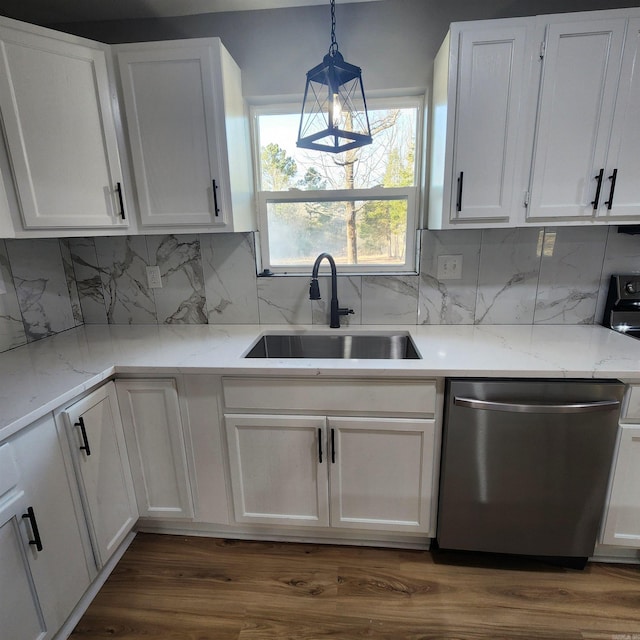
518, 407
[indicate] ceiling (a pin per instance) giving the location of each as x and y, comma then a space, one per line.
52, 11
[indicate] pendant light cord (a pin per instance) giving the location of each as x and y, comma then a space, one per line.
333, 49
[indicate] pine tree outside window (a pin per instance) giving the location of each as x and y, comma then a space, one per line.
360, 205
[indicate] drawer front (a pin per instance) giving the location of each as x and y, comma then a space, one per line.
397, 397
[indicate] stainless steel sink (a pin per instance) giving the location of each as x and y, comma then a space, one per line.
397, 346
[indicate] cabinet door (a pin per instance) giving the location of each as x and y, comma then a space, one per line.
575, 111
170, 96
487, 181
622, 197
55, 104
622, 523
20, 614
60, 571
156, 446
382, 474
278, 469
100, 456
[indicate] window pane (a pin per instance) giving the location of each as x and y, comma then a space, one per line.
363, 232
389, 161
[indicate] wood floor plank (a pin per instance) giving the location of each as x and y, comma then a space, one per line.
196, 588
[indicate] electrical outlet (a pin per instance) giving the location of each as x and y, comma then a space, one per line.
154, 279
449, 267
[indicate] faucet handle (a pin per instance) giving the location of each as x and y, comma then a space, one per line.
345, 312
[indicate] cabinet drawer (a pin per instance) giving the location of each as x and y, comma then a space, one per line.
360, 395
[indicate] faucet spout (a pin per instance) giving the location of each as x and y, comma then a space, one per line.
314, 290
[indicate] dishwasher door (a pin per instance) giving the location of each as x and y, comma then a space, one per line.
525, 464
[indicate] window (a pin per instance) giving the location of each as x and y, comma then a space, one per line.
360, 205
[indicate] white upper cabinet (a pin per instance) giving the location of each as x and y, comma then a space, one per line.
58, 120
188, 134
480, 124
578, 92
621, 187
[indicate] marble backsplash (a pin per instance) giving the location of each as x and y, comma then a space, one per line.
557, 275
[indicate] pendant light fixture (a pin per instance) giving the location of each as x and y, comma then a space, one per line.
334, 110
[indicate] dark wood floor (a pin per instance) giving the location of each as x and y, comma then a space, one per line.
176, 588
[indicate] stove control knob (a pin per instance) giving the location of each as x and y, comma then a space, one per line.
631, 287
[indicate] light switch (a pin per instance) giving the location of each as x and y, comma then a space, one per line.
154, 278
3, 284
449, 267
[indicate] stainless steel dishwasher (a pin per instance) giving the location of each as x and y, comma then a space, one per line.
525, 465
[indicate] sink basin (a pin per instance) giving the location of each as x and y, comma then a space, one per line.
397, 346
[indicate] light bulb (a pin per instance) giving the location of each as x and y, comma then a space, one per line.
337, 110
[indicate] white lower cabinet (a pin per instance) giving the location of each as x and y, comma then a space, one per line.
381, 473
278, 471
100, 458
155, 437
364, 472
622, 521
43, 566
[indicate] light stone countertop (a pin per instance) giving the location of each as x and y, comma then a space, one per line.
41, 376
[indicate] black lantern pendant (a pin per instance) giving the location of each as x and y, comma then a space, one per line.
334, 110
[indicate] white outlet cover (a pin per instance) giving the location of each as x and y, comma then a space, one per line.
449, 267
154, 279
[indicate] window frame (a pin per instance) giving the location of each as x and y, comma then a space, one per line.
411, 194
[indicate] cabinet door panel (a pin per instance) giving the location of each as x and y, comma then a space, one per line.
55, 104
60, 570
20, 615
276, 473
488, 160
155, 443
170, 99
577, 97
104, 474
622, 524
382, 477
625, 137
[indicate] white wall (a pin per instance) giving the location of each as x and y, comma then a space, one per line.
394, 41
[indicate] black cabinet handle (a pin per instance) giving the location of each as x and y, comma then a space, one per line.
333, 446
120, 199
320, 445
596, 202
216, 211
31, 516
459, 197
613, 178
85, 440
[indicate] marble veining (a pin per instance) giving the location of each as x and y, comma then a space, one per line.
284, 300
41, 286
122, 262
181, 300
389, 299
230, 278
11, 326
570, 274
449, 301
72, 285
508, 276
88, 280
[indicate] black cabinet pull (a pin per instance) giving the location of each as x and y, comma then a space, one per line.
596, 202
85, 440
31, 516
613, 178
216, 211
459, 198
333, 446
320, 445
120, 199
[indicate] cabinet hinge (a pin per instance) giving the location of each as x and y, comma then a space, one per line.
526, 198
543, 48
